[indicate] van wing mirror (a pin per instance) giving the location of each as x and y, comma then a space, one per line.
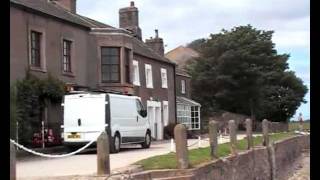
143, 113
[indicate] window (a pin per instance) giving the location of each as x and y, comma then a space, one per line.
183, 86
66, 56
164, 78
136, 76
110, 64
165, 113
127, 65
189, 116
148, 70
35, 49
140, 108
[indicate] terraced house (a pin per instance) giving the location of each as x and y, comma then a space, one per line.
49, 37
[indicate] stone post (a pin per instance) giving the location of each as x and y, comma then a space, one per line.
249, 133
265, 132
233, 136
103, 159
180, 137
213, 137
12, 162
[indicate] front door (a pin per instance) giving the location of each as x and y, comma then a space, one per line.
154, 117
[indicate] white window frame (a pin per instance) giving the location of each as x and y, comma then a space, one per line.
183, 86
164, 78
136, 75
149, 80
184, 116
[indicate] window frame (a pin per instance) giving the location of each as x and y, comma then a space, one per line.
164, 83
69, 70
110, 65
149, 80
136, 73
42, 48
127, 58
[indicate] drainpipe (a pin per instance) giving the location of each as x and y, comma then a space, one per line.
175, 93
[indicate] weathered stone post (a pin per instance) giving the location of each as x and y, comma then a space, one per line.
12, 162
103, 159
249, 133
180, 137
213, 138
265, 132
233, 136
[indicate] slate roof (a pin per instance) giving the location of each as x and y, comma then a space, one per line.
52, 9
186, 101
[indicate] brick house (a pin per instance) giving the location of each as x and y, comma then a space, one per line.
49, 37
188, 110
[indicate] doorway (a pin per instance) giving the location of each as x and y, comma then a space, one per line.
154, 117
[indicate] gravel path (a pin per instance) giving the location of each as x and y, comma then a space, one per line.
302, 169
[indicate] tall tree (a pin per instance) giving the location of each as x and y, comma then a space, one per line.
240, 70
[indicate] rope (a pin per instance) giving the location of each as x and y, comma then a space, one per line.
54, 156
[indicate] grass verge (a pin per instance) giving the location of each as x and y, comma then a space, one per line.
202, 155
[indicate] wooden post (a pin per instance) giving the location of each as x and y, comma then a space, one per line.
213, 137
233, 136
249, 133
103, 159
12, 162
265, 131
180, 136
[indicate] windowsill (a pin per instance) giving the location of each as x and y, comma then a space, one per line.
69, 74
39, 69
136, 84
164, 87
149, 87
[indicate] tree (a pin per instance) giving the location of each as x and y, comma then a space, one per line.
239, 70
196, 44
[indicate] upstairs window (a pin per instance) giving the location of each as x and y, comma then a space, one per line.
35, 49
110, 64
183, 86
66, 56
164, 78
136, 76
127, 65
148, 71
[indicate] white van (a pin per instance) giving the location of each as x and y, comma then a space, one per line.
123, 117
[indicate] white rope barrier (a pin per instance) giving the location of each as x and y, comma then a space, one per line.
54, 156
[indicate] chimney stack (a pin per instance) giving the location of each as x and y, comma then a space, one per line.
156, 43
129, 19
70, 5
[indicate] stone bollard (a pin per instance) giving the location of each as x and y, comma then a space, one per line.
103, 159
180, 137
213, 137
265, 132
249, 133
12, 162
233, 136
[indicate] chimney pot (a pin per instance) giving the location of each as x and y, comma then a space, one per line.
157, 34
132, 3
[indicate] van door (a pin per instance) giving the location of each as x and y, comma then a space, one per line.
142, 123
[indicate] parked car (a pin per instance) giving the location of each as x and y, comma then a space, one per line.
123, 117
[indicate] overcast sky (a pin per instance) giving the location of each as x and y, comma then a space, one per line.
181, 21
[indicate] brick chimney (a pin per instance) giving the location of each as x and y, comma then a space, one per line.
129, 19
156, 43
70, 5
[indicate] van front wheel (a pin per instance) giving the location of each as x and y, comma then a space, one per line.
115, 146
147, 141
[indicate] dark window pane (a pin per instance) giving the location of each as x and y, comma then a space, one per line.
110, 60
35, 48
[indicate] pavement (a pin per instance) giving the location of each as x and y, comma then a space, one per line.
85, 163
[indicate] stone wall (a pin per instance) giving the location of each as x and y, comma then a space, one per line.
249, 165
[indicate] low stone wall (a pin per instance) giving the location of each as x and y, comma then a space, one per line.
253, 164
274, 127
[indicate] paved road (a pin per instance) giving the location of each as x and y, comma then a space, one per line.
85, 163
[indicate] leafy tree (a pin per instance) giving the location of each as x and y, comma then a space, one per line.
196, 44
240, 71
32, 95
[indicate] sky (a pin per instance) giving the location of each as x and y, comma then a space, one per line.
182, 21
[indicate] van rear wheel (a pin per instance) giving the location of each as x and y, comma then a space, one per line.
147, 141
115, 145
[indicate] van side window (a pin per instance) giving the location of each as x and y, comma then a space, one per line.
140, 108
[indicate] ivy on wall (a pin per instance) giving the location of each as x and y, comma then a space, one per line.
29, 97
